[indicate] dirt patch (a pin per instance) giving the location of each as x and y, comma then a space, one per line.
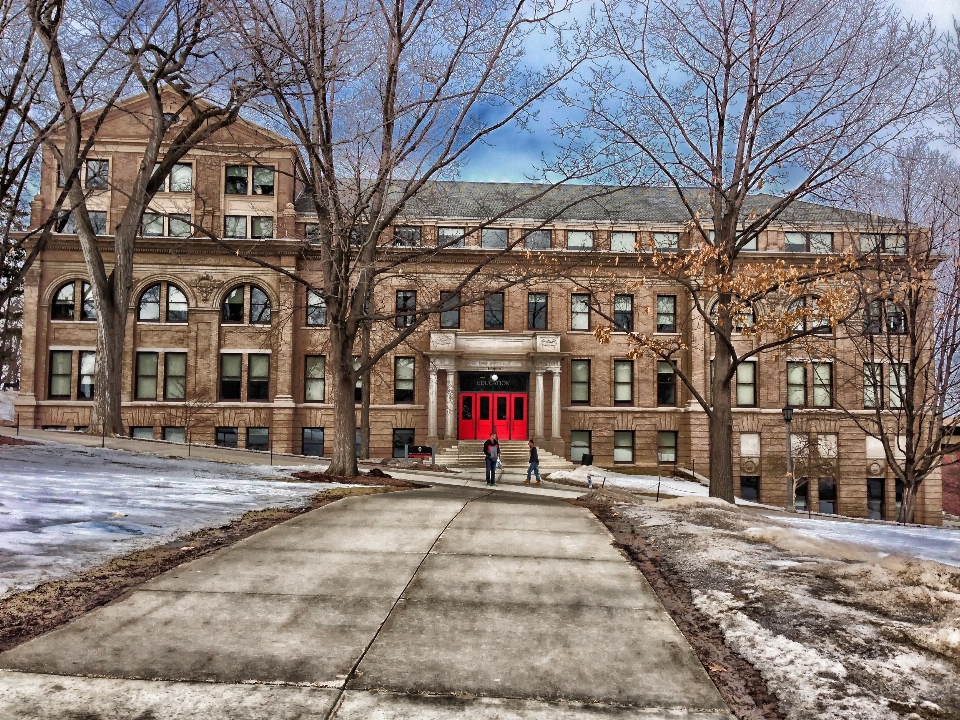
31, 613
739, 682
375, 477
4, 440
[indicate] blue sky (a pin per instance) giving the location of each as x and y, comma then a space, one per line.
513, 154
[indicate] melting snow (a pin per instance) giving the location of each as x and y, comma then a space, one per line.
64, 508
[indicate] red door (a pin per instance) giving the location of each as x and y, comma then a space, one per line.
468, 416
501, 416
484, 415
518, 417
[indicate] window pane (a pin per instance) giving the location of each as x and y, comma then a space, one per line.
580, 312
97, 174
401, 438
230, 373
403, 379
872, 377
177, 308
749, 444
666, 384
623, 242
233, 306
179, 225
312, 441
259, 307
259, 366
258, 438
181, 178
146, 376
580, 239
623, 446
821, 242
898, 384
88, 308
149, 309
796, 384
236, 180
235, 226
822, 384
263, 181
450, 318
580, 381
623, 381
667, 446
623, 312
537, 311
152, 224
450, 237
88, 369
870, 242
666, 313
406, 307
537, 240
261, 227
827, 446
63, 303
226, 437
175, 434
493, 312
175, 376
579, 444
795, 242
895, 244
316, 309
61, 367
666, 240
746, 387
98, 222
493, 238
406, 237
315, 385
258, 377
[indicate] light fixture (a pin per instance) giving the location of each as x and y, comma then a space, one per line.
494, 377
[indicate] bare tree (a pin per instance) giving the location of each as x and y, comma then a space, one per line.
383, 99
903, 347
722, 99
174, 56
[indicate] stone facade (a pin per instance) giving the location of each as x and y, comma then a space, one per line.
278, 393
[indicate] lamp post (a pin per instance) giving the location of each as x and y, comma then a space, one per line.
787, 418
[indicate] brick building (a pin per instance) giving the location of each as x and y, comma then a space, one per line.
234, 354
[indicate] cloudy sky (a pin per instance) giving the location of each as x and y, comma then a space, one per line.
513, 154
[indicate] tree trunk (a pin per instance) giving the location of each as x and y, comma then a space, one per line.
107, 410
343, 460
365, 399
721, 428
908, 504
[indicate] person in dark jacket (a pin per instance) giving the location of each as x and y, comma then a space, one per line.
534, 463
491, 452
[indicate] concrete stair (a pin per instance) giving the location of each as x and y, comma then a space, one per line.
513, 453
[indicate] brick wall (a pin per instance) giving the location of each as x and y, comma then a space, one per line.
950, 470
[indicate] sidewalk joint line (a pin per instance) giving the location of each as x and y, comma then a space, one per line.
335, 706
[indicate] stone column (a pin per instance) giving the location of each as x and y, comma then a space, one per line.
538, 406
555, 419
432, 406
450, 432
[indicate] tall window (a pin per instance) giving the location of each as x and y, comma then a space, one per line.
822, 384
872, 385
624, 242
666, 240
230, 375
406, 236
147, 367
88, 373
263, 181
623, 382
63, 303
667, 446
796, 384
666, 384
450, 309
493, 312
813, 242
98, 174
259, 306
666, 313
579, 312
580, 382
61, 370
149, 308
493, 238
177, 308
623, 312
579, 239
258, 377
315, 379
747, 384
175, 376
623, 446
403, 368
451, 237
236, 182
406, 308
537, 240
316, 309
898, 385
537, 311
181, 178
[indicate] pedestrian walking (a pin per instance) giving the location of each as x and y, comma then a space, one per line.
534, 468
491, 452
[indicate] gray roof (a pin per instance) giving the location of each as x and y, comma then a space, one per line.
586, 203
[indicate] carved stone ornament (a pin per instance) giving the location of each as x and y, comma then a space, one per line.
206, 286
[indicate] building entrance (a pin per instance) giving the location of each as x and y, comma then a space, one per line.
488, 405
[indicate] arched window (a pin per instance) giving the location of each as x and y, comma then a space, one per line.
65, 306
809, 317
63, 302
235, 305
316, 309
151, 303
743, 316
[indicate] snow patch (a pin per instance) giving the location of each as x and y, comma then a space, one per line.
7, 398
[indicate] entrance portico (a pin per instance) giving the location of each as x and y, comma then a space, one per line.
478, 356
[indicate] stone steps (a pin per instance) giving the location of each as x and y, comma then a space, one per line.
513, 453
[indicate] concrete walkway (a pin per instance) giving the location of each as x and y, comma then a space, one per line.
428, 604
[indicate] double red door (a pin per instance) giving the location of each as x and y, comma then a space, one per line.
482, 413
